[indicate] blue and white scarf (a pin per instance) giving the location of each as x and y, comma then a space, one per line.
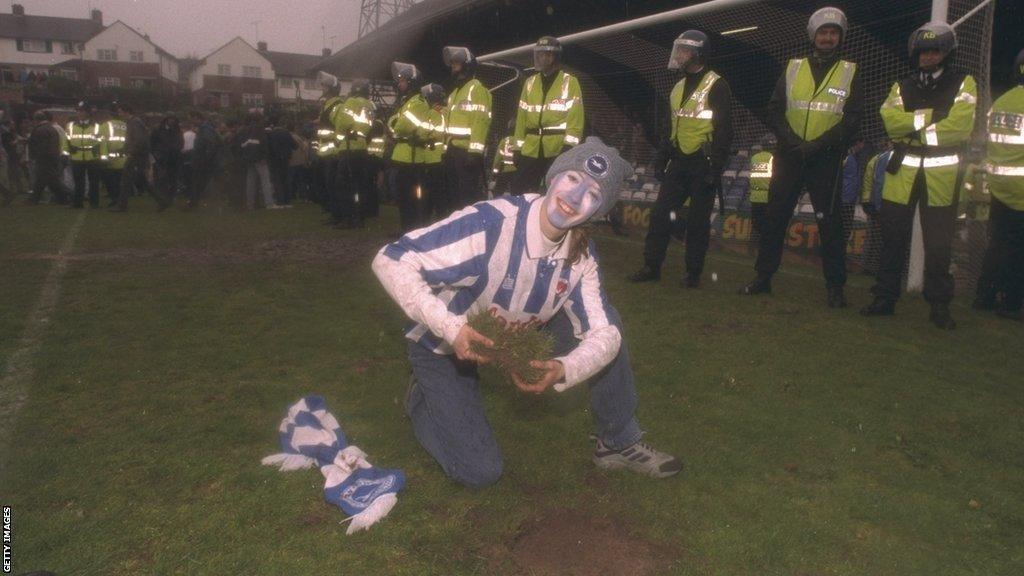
311, 436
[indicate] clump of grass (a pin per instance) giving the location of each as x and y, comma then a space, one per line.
514, 346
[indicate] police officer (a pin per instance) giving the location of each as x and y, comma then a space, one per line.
469, 119
352, 122
550, 116
503, 166
929, 116
112, 156
408, 152
762, 166
136, 162
375, 150
432, 135
83, 147
691, 159
326, 145
814, 112
1005, 176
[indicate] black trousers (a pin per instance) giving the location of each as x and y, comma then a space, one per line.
48, 174
436, 199
684, 179
199, 181
1006, 248
279, 178
463, 173
349, 185
937, 226
820, 175
86, 173
529, 174
409, 195
327, 177
133, 180
111, 179
375, 182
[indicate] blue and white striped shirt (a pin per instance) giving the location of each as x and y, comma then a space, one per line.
492, 257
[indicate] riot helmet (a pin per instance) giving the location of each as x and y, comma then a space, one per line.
691, 46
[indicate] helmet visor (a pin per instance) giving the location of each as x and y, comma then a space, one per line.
456, 54
401, 70
684, 51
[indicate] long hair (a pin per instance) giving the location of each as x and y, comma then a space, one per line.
579, 247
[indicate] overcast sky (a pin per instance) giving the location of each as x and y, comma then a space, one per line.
186, 27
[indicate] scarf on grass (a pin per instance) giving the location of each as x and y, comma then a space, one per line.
311, 436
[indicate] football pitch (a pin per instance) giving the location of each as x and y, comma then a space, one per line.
146, 369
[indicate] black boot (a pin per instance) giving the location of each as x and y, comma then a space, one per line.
646, 274
759, 285
879, 307
691, 281
836, 297
940, 316
985, 300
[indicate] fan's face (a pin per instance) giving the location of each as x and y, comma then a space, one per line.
572, 198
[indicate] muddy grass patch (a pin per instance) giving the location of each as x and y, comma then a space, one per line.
577, 543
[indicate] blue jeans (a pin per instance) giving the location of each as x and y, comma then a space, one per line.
448, 417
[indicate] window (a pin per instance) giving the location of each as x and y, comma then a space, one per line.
225, 100
109, 82
285, 81
224, 69
106, 55
135, 55
310, 84
141, 83
67, 47
251, 71
252, 100
68, 73
7, 75
34, 46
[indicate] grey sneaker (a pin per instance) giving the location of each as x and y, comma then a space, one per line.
640, 458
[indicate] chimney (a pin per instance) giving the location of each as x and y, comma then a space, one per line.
97, 16
326, 52
17, 10
261, 46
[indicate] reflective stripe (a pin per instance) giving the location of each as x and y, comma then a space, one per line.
931, 136
569, 139
936, 162
476, 146
815, 106
964, 95
455, 131
919, 118
1004, 170
701, 115
560, 106
531, 107
1006, 138
416, 121
323, 132
466, 106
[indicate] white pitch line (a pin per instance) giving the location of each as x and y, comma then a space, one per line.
20, 366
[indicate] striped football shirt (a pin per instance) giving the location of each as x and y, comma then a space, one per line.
492, 257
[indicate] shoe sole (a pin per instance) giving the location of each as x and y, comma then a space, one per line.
616, 465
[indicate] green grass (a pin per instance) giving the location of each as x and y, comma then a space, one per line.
816, 441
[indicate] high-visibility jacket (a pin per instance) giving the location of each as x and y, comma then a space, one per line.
975, 200
65, 150
403, 125
112, 153
692, 120
1004, 161
811, 110
376, 147
469, 116
352, 121
874, 179
546, 122
83, 143
761, 166
504, 157
326, 140
932, 145
432, 136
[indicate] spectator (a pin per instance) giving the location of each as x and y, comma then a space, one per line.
852, 181
254, 153
44, 149
204, 157
298, 167
280, 146
166, 145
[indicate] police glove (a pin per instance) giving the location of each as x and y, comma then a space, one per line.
474, 161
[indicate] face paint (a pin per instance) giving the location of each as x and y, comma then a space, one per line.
572, 198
